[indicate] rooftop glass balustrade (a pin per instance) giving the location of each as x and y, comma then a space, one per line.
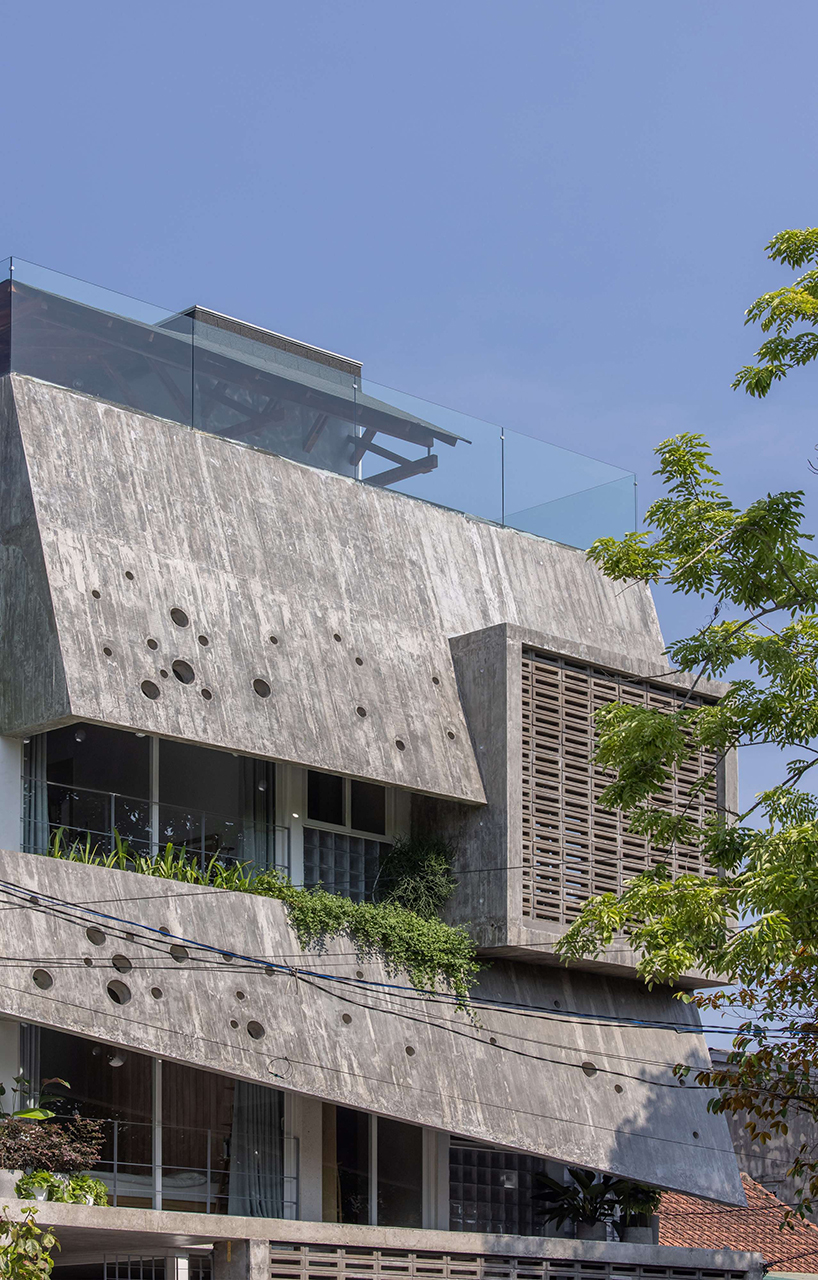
236, 380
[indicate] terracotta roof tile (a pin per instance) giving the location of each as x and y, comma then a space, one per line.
685, 1220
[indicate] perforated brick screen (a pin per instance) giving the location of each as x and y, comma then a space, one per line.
573, 848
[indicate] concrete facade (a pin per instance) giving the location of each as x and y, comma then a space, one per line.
157, 580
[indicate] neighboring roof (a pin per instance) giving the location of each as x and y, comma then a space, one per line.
684, 1220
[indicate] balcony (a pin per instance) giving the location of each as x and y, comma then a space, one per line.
248, 384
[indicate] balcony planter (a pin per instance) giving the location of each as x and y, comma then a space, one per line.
8, 1181
592, 1231
648, 1234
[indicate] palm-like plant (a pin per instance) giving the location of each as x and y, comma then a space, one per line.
587, 1199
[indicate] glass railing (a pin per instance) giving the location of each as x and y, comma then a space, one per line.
236, 380
190, 1170
83, 814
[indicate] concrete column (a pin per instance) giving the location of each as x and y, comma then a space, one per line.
9, 1059
435, 1180
241, 1260
307, 1126
177, 1266
11, 792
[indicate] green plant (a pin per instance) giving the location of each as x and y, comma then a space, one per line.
25, 1249
22, 1089
587, 1199
426, 948
637, 1204
54, 1146
82, 1188
779, 311
58, 1187
416, 874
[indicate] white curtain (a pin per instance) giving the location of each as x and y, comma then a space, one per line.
258, 813
256, 1187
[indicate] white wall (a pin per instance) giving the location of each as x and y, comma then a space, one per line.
11, 768
9, 1059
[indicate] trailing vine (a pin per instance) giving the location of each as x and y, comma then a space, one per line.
431, 952
417, 874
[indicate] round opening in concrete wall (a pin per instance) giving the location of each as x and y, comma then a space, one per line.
262, 688
400, 744
42, 979
361, 712
157, 993
617, 1088
122, 964
435, 680
359, 662
695, 1133
95, 594
346, 1017
492, 1040
336, 636
227, 955
589, 1069
164, 929
273, 639
240, 995
88, 961
180, 617
153, 644
183, 671
410, 1052
150, 689
255, 1030
450, 734
203, 641
129, 575
95, 935
233, 1023
119, 993
207, 695
163, 673
556, 1004
179, 954
359, 973
269, 970
108, 651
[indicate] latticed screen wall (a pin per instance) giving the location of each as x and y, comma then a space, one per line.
573, 848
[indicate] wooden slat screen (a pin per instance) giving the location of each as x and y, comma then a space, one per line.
334, 1262
573, 848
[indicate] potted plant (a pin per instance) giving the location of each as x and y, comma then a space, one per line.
10, 1172
637, 1205
43, 1185
588, 1202
36, 1147
84, 1189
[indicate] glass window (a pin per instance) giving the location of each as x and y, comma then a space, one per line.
400, 1174
368, 807
352, 1151
492, 1191
88, 755
325, 798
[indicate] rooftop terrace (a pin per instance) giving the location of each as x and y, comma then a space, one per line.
271, 392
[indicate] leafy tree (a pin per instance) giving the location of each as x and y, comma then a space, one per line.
25, 1248
780, 311
755, 924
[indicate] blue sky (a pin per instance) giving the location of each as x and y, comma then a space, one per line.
547, 213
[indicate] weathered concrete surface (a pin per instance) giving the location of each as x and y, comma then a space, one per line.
251, 545
83, 1228
527, 1091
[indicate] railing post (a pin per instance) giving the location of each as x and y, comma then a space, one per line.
209, 1136
116, 1161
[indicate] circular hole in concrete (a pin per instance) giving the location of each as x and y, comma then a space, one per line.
227, 955
42, 979
163, 673
164, 929
153, 644
450, 734
207, 695
410, 1053
336, 636
129, 575
95, 935
203, 641
95, 594
346, 1017
108, 651
87, 960
492, 1040
180, 617
589, 1069
435, 680
359, 973
119, 993
400, 744
695, 1133
556, 1004
273, 639
35, 902
183, 671
255, 1030
617, 1088
361, 712
233, 1023
240, 995
262, 688
122, 964
359, 662
150, 689
157, 993
179, 954
269, 970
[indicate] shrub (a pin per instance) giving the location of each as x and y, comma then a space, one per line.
53, 1146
